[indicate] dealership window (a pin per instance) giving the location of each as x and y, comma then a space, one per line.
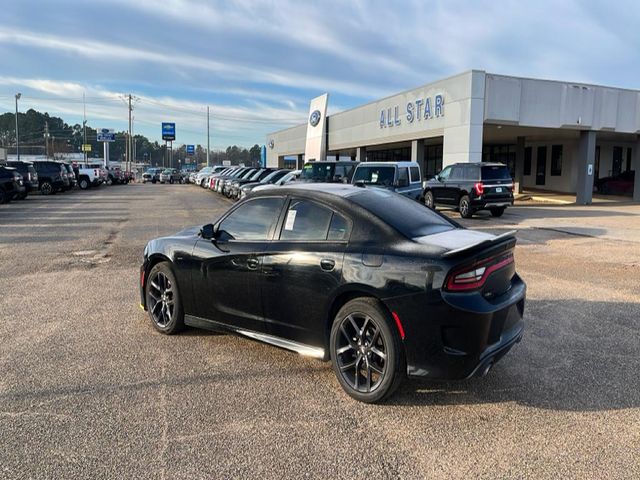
617, 161
390, 155
433, 160
556, 160
500, 154
528, 153
597, 162
628, 169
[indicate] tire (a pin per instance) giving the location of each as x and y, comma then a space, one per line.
46, 188
109, 181
171, 181
371, 367
497, 212
428, 200
164, 304
464, 207
4, 197
83, 183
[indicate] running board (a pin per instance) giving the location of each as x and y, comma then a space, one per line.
301, 348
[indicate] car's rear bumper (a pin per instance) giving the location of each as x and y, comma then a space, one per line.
461, 335
491, 202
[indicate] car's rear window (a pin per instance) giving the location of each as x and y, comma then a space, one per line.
407, 216
375, 175
496, 172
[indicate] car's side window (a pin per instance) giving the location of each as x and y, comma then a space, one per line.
403, 176
339, 228
444, 174
253, 220
306, 220
415, 174
457, 173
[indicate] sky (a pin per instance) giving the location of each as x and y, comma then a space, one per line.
257, 64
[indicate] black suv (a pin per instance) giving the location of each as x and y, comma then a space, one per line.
52, 177
29, 176
471, 187
328, 172
11, 184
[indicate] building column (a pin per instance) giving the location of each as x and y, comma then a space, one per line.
635, 165
280, 161
300, 162
361, 154
585, 165
519, 173
417, 152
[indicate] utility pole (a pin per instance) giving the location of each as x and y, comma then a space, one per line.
129, 149
46, 138
84, 125
208, 137
18, 95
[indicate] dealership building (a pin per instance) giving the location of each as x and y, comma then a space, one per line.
554, 135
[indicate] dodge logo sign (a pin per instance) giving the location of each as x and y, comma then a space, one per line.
314, 119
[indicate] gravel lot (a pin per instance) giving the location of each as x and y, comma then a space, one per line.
89, 390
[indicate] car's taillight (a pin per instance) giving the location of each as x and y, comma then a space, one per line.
474, 276
479, 188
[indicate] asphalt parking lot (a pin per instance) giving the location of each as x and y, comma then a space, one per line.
89, 389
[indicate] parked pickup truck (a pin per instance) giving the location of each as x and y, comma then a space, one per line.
89, 175
401, 177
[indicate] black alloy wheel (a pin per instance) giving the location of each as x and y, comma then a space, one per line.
464, 207
428, 200
163, 300
366, 351
46, 188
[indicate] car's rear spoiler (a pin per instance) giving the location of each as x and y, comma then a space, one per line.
483, 243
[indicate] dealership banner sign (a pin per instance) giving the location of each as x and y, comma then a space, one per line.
418, 110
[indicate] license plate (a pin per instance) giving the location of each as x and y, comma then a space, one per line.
499, 189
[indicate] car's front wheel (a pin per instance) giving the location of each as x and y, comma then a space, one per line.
428, 200
366, 350
163, 299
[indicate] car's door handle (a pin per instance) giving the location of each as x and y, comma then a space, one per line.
327, 264
252, 263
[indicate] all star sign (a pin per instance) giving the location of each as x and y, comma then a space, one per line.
417, 111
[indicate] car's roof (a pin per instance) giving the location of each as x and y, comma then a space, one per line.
336, 189
384, 164
480, 164
331, 161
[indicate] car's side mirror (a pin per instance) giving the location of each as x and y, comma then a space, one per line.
208, 231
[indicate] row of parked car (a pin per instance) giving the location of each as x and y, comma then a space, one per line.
466, 187
18, 178
165, 175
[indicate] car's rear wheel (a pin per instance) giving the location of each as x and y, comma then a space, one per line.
464, 207
163, 299
497, 212
83, 183
366, 350
428, 200
46, 188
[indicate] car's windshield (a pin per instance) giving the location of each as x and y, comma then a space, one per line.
168, 170
274, 176
375, 175
318, 172
495, 172
256, 175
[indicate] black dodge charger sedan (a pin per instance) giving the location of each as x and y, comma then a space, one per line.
377, 283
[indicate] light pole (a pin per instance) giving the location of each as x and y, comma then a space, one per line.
18, 95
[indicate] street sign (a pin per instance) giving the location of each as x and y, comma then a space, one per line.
106, 135
191, 149
86, 147
168, 131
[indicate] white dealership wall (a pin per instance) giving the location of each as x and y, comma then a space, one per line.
543, 112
